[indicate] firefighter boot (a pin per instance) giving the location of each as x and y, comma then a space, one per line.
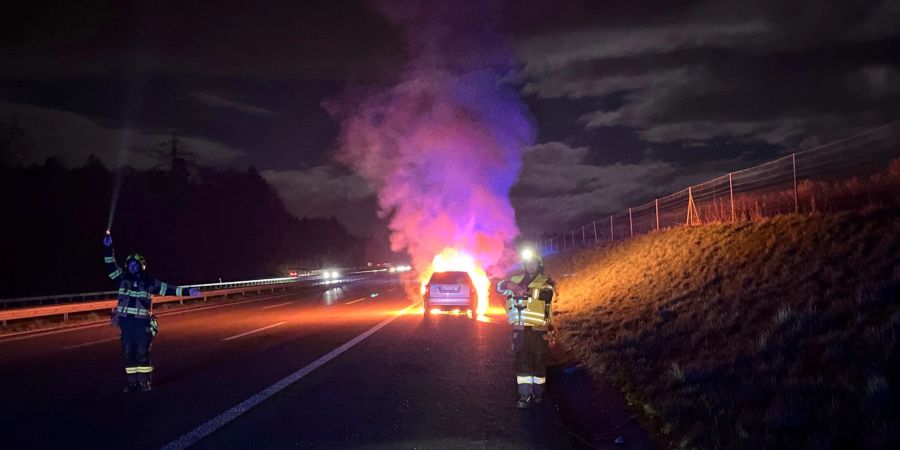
538, 393
538, 396
145, 384
132, 382
524, 395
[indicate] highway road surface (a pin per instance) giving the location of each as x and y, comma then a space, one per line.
320, 368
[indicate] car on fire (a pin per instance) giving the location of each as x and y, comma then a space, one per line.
452, 290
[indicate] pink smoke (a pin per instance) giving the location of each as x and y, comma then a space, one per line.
444, 145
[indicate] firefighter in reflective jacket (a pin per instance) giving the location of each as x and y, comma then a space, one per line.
528, 308
134, 313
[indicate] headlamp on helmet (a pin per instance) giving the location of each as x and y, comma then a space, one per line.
528, 255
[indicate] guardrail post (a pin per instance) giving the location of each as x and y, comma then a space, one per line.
796, 198
65, 317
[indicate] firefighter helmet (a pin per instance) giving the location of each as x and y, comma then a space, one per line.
138, 258
528, 254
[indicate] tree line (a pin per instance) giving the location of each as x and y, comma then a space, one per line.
193, 227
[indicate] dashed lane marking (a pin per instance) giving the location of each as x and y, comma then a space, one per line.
275, 306
253, 331
357, 300
98, 341
205, 429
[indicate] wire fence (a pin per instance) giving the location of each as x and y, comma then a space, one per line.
849, 174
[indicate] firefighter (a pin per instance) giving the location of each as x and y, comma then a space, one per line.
134, 313
528, 308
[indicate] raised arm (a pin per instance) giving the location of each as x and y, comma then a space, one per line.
163, 288
109, 259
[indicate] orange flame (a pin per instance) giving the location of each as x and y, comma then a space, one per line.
450, 259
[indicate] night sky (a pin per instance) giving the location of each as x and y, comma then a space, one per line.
629, 99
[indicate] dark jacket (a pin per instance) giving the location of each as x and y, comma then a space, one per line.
136, 290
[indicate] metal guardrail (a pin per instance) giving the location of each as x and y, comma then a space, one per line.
108, 300
22, 302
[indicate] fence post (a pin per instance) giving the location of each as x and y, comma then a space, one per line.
690, 212
731, 196
583, 240
796, 199
656, 201
612, 232
630, 224
596, 239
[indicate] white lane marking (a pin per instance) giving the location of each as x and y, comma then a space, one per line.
254, 331
205, 429
275, 306
12, 337
99, 341
357, 300
205, 308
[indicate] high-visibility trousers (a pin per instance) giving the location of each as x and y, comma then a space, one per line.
136, 341
530, 348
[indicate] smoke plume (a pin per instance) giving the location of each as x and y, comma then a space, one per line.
443, 145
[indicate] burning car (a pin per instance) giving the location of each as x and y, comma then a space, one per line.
452, 290
454, 281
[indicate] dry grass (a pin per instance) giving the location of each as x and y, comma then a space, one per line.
778, 333
878, 190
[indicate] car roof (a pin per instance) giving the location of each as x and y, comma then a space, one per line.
452, 276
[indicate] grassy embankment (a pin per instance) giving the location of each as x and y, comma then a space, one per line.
777, 333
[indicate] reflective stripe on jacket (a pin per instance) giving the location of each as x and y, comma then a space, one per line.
536, 312
136, 290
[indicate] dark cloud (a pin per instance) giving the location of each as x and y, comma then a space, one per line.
316, 39
219, 101
326, 190
664, 100
631, 99
776, 74
560, 187
71, 137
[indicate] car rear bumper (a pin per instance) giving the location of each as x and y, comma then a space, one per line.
448, 302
